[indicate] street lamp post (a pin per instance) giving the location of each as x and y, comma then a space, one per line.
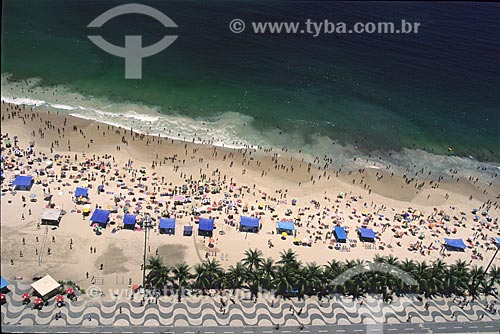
494, 256
146, 225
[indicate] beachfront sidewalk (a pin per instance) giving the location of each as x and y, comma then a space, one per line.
208, 311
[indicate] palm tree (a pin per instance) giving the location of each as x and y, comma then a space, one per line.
236, 275
284, 280
158, 272
201, 278
213, 272
253, 259
332, 270
253, 278
477, 278
288, 259
181, 275
436, 278
268, 272
422, 276
457, 277
409, 267
312, 276
493, 279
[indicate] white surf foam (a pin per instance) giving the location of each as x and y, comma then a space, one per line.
235, 130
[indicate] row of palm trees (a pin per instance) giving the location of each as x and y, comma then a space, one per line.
288, 276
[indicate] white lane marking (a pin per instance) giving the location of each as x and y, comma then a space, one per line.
472, 326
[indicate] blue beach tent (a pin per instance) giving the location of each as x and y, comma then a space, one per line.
23, 182
129, 222
287, 227
366, 234
206, 227
455, 244
188, 231
340, 234
100, 217
83, 192
249, 224
167, 225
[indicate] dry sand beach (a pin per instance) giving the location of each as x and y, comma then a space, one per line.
252, 182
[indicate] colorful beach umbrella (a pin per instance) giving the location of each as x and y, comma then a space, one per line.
59, 298
26, 296
38, 301
70, 291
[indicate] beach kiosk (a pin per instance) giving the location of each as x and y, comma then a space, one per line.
23, 182
188, 231
129, 222
81, 195
100, 217
285, 227
46, 287
249, 224
366, 234
51, 217
455, 244
340, 234
167, 225
206, 227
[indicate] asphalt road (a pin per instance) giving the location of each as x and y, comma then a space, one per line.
404, 328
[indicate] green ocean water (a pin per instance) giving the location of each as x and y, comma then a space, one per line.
336, 95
